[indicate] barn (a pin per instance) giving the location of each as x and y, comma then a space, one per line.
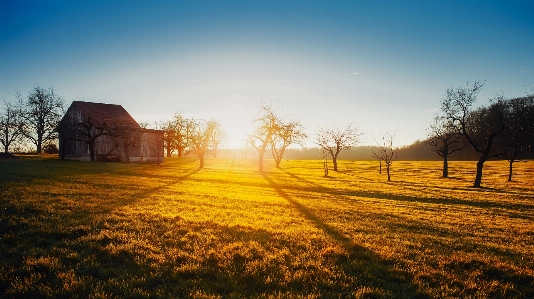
106, 132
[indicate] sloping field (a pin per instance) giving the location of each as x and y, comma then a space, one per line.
103, 230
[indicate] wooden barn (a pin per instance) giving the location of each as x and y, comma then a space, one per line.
106, 132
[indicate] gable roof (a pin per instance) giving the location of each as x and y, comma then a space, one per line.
110, 114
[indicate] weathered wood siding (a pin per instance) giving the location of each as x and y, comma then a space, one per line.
121, 144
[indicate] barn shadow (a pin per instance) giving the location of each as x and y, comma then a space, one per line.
366, 266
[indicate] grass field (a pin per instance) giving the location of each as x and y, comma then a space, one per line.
104, 230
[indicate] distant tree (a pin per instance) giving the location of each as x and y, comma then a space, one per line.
42, 113
246, 148
518, 138
377, 154
169, 137
11, 124
158, 143
443, 139
480, 127
217, 138
325, 154
333, 141
386, 152
287, 133
182, 130
200, 138
266, 126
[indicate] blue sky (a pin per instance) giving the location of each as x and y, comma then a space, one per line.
381, 65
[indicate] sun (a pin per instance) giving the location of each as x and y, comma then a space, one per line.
236, 114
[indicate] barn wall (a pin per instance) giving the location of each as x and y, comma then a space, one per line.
133, 145
69, 148
148, 147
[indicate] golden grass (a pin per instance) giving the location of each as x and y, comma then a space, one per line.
103, 230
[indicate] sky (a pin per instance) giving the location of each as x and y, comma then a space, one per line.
382, 66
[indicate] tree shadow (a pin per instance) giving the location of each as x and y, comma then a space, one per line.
175, 180
370, 270
442, 200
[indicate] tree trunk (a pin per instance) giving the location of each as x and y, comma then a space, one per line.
39, 140
334, 161
510, 171
6, 145
201, 157
389, 175
277, 160
179, 152
380, 170
91, 151
260, 167
445, 166
168, 152
512, 159
478, 178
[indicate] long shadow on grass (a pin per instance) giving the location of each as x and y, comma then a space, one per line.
173, 182
505, 274
367, 268
482, 189
443, 201
317, 188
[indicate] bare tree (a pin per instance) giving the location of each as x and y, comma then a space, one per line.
480, 127
377, 153
182, 131
43, 112
444, 140
267, 125
288, 133
200, 137
519, 134
126, 139
88, 131
217, 138
11, 124
333, 141
386, 152
246, 148
169, 137
325, 154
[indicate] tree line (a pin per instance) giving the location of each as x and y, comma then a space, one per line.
503, 129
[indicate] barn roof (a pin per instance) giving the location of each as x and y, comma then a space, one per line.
110, 114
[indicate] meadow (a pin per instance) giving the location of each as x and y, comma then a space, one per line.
72, 229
